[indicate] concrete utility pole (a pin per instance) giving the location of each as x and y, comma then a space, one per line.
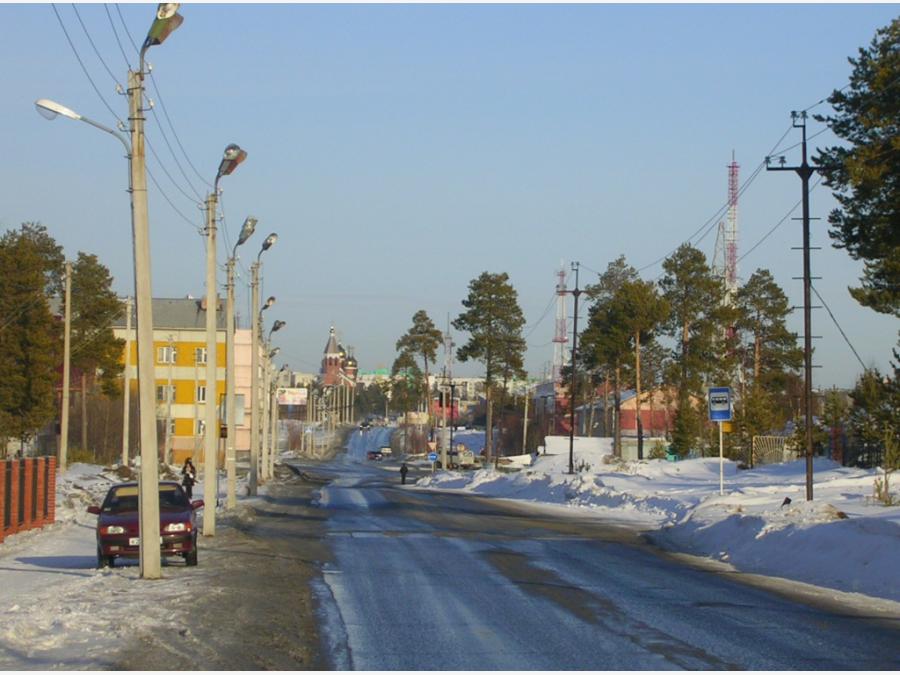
256, 331
167, 450
264, 422
126, 391
210, 440
805, 171
231, 158
230, 405
167, 20
254, 378
273, 408
525, 425
149, 477
67, 357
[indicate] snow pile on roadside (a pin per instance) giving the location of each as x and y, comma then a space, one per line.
842, 540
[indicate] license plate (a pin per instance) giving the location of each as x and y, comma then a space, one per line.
136, 541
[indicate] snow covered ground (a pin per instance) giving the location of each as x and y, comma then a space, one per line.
57, 610
842, 540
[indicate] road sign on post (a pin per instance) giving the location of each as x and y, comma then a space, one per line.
720, 411
720, 404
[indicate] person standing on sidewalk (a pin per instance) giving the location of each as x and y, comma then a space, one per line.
188, 477
403, 471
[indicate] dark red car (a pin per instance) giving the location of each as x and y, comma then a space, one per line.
118, 527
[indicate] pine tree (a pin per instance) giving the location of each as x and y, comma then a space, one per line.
863, 172
641, 310
494, 321
697, 323
30, 344
605, 342
770, 353
422, 339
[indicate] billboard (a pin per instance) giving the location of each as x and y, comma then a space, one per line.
291, 395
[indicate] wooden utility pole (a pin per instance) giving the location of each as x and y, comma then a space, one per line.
805, 171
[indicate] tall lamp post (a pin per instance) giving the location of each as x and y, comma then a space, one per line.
273, 432
230, 408
256, 313
232, 156
264, 394
166, 21
265, 463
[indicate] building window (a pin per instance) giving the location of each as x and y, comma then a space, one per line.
166, 355
200, 355
201, 427
201, 393
164, 392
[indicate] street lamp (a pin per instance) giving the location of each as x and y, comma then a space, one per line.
273, 417
231, 157
265, 459
277, 326
256, 317
230, 412
167, 20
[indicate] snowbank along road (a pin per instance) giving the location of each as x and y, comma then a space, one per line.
425, 580
339, 566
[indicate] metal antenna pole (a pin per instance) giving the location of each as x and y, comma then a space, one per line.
574, 387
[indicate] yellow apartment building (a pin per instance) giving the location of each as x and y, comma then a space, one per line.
179, 354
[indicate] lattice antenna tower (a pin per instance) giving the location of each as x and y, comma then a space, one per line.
561, 337
731, 230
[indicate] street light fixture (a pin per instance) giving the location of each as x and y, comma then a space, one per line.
230, 407
167, 20
231, 157
256, 317
277, 326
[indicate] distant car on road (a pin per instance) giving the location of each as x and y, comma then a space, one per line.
374, 454
118, 526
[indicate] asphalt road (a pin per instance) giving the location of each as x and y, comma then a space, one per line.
418, 580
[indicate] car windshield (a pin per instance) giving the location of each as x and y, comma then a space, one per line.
124, 499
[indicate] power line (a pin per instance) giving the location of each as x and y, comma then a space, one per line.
127, 32
166, 171
543, 316
166, 114
174, 208
708, 224
81, 63
779, 223
96, 51
175, 134
116, 33
831, 314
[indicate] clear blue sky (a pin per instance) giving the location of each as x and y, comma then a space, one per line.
401, 150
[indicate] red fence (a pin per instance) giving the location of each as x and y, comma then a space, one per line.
27, 494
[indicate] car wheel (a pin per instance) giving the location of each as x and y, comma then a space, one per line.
191, 558
104, 560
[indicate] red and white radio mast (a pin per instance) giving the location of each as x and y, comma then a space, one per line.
562, 335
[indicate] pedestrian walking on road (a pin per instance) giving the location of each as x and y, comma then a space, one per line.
403, 471
188, 477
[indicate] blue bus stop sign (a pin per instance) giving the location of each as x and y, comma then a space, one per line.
720, 404
432, 456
